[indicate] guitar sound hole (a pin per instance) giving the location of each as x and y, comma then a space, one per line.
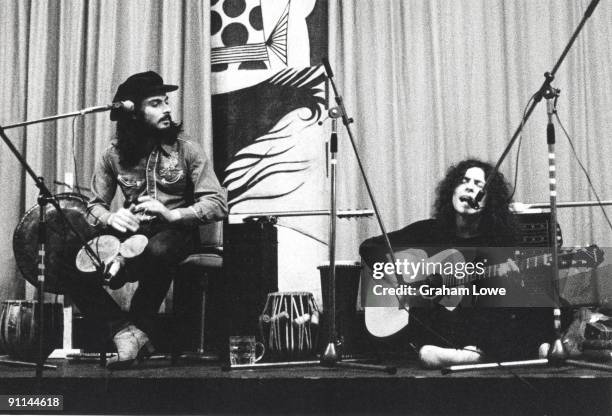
435, 280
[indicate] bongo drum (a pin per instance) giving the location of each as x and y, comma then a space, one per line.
289, 325
19, 329
110, 250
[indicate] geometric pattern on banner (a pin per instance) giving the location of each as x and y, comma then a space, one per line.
238, 36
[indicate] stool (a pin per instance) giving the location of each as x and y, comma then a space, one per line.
193, 275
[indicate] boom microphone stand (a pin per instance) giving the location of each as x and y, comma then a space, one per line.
330, 357
556, 354
45, 197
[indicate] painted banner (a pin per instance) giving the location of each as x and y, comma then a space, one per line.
269, 95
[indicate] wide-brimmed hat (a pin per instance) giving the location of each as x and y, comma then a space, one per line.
139, 86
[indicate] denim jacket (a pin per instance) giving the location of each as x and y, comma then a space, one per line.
179, 175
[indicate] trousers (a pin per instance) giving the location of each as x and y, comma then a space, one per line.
154, 269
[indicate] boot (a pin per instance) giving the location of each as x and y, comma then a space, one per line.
132, 344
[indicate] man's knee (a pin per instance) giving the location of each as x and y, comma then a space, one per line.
167, 247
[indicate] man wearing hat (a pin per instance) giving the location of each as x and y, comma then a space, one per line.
169, 188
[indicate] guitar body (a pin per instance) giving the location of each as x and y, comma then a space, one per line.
382, 319
450, 302
384, 316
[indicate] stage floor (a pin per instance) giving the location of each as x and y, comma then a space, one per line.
157, 387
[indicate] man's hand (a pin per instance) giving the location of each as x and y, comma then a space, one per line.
124, 220
150, 206
508, 268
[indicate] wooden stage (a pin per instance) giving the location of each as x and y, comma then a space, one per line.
156, 387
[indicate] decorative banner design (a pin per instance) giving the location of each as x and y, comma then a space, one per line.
235, 40
267, 102
275, 165
268, 99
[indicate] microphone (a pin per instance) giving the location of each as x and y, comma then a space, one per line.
334, 113
117, 107
470, 201
328, 70
125, 106
550, 108
333, 142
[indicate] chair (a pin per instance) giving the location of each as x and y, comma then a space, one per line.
191, 284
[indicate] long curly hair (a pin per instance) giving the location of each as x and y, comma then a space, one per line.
496, 216
134, 139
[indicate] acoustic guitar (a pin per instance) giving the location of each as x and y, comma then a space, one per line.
386, 301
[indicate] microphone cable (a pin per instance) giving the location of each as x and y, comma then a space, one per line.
586, 173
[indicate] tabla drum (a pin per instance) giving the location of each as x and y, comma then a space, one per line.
62, 244
19, 329
289, 325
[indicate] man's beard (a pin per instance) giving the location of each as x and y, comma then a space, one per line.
152, 136
141, 139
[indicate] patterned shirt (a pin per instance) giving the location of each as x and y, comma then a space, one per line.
179, 175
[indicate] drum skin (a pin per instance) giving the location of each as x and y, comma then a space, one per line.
62, 244
18, 329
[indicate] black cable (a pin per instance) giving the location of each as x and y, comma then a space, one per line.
518, 149
74, 161
586, 173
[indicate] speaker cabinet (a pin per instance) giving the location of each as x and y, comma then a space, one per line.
534, 230
250, 272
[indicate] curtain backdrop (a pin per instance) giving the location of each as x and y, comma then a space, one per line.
432, 82
427, 82
60, 56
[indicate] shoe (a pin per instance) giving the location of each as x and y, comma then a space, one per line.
132, 344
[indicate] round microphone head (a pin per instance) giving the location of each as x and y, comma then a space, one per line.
127, 105
118, 107
334, 112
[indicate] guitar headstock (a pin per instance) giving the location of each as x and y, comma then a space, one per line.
591, 256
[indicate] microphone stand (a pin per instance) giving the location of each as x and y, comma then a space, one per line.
330, 357
45, 197
88, 110
557, 354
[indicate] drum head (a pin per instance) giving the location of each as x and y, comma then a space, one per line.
105, 246
133, 246
62, 244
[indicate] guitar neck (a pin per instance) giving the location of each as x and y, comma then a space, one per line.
529, 263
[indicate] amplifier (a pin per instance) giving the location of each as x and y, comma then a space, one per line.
250, 272
534, 230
